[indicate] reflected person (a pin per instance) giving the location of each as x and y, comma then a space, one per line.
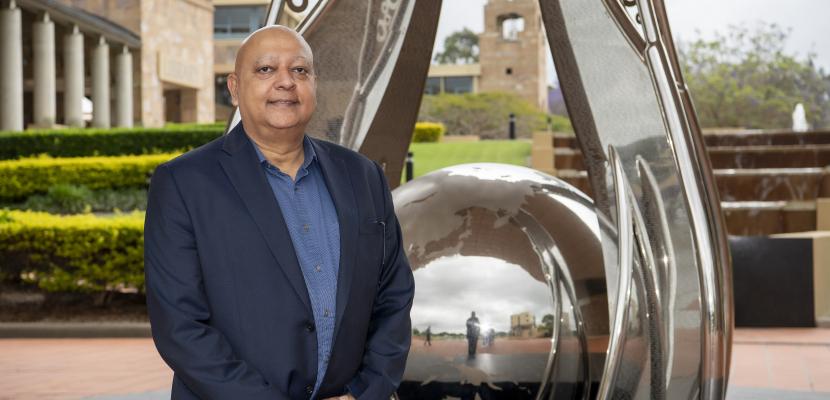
274, 264
473, 330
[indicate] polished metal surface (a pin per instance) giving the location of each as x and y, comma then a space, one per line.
502, 240
622, 84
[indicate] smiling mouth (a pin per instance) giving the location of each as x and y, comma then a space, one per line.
283, 102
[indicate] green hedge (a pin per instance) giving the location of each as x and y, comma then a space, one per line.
428, 132
488, 114
79, 142
81, 253
22, 178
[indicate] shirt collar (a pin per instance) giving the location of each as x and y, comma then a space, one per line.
309, 155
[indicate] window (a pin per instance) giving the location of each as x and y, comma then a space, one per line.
223, 96
433, 86
458, 84
237, 21
511, 26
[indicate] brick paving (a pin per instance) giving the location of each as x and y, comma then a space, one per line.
766, 363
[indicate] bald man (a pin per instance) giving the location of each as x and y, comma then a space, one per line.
273, 261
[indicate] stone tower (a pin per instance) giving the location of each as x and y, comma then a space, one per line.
512, 50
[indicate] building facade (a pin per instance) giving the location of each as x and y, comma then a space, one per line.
141, 62
512, 56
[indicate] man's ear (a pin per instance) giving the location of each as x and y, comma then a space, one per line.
233, 85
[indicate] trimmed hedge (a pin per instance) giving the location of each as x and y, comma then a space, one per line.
428, 132
22, 178
80, 142
80, 253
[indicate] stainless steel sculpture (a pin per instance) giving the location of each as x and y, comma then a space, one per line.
503, 240
637, 282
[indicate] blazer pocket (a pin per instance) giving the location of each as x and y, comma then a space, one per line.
373, 232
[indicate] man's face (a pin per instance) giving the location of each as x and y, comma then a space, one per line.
274, 84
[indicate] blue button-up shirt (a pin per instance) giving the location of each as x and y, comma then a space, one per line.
311, 219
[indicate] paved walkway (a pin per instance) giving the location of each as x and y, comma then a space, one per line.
766, 364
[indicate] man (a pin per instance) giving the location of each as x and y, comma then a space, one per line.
473, 330
274, 263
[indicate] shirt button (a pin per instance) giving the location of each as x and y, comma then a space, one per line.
309, 327
317, 268
309, 390
305, 228
326, 313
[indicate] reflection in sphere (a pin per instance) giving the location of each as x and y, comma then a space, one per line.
522, 251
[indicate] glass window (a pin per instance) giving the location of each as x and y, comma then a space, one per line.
433, 86
223, 96
458, 84
237, 21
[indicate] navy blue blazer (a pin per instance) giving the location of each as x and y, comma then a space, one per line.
228, 305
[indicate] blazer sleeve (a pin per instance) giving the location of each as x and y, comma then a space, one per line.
178, 307
390, 332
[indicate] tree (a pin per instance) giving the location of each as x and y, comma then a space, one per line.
487, 114
746, 79
460, 47
547, 325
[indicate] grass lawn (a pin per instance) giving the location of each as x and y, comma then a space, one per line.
429, 157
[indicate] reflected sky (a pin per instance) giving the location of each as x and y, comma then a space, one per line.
448, 288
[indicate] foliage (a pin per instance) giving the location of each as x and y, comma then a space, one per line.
25, 177
428, 157
73, 199
744, 78
81, 253
460, 47
79, 142
428, 132
487, 114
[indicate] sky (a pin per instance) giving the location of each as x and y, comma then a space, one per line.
692, 19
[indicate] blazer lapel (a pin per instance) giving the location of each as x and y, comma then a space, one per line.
340, 188
248, 178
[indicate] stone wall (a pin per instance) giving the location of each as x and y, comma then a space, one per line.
514, 65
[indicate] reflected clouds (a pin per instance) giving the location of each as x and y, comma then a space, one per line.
448, 288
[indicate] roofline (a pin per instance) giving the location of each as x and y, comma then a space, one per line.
86, 21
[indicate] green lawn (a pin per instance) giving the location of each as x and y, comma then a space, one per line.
429, 157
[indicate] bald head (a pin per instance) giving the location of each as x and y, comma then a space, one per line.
268, 33
274, 84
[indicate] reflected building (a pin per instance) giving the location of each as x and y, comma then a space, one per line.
523, 325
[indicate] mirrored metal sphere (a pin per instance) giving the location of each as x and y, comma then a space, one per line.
510, 299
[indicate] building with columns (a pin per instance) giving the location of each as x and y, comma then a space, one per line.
144, 62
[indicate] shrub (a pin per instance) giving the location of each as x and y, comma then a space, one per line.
486, 114
428, 132
22, 178
81, 253
74, 199
80, 142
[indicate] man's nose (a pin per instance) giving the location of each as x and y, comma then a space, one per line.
284, 79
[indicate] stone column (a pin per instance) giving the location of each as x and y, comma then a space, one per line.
124, 88
11, 69
101, 85
73, 69
43, 47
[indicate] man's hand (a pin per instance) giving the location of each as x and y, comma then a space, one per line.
343, 397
